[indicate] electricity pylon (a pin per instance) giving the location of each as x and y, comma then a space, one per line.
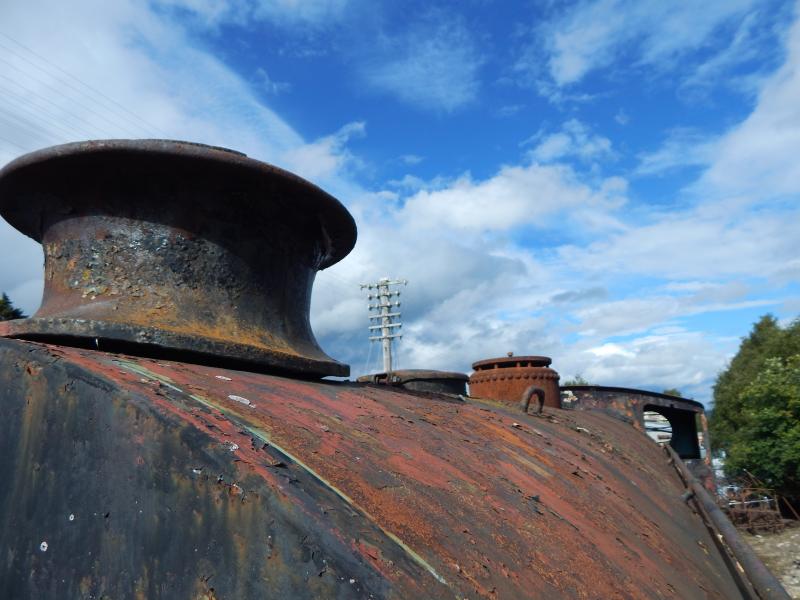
387, 321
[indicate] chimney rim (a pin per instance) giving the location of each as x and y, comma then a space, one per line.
25, 170
511, 361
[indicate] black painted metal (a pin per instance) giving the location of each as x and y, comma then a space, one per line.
107, 495
422, 380
176, 247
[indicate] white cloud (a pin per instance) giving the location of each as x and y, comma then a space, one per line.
593, 35
508, 110
691, 245
516, 196
269, 85
610, 349
325, 157
476, 290
683, 147
288, 13
574, 140
140, 77
523, 259
686, 360
411, 159
704, 258
136, 73
622, 118
433, 65
302, 11
409, 182
747, 44
760, 156
20, 268
648, 312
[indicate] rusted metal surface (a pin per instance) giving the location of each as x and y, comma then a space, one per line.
687, 418
751, 571
528, 394
149, 478
506, 379
177, 250
421, 380
755, 509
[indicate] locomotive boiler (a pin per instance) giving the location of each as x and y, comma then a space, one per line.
166, 430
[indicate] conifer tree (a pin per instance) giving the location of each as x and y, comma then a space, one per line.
8, 311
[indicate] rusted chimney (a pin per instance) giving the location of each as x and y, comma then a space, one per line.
176, 249
508, 377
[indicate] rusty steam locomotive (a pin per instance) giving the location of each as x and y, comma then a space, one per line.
165, 431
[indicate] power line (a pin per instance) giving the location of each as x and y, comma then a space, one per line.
42, 113
13, 143
51, 86
367, 363
344, 282
388, 321
45, 99
91, 88
32, 128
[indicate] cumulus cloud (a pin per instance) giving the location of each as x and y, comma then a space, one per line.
684, 359
516, 196
582, 301
538, 256
325, 157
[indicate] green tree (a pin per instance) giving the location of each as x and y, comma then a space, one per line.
673, 392
576, 380
767, 442
766, 340
7, 310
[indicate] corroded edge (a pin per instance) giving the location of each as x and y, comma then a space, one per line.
105, 335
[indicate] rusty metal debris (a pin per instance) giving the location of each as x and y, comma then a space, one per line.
506, 379
177, 249
754, 509
752, 506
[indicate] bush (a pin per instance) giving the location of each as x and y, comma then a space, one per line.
756, 414
767, 443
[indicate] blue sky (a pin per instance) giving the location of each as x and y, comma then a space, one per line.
615, 184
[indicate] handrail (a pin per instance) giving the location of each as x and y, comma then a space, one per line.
763, 582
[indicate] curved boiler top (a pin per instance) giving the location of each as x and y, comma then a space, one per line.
262, 486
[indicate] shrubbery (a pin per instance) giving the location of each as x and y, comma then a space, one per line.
756, 415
